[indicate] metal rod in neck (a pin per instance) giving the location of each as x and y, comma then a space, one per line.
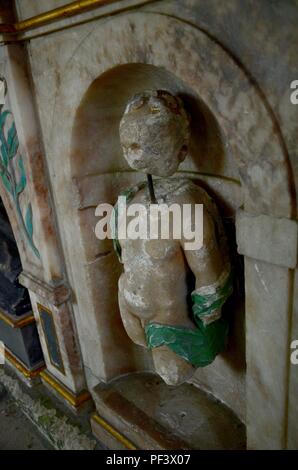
151, 189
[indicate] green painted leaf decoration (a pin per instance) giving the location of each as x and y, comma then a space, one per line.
3, 117
4, 155
8, 150
12, 141
28, 220
7, 184
22, 182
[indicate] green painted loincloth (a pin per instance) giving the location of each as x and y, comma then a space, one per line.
200, 346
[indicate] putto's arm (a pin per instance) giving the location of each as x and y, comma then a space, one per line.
132, 323
212, 273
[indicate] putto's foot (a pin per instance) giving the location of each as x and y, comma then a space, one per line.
173, 369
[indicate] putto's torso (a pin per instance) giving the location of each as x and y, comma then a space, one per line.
155, 282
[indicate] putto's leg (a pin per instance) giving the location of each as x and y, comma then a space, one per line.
132, 324
173, 369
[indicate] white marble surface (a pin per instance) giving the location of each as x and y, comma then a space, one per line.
79, 108
48, 271
80, 133
266, 238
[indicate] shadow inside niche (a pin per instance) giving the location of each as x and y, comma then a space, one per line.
206, 146
234, 308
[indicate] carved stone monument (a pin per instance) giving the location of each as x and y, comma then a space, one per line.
170, 297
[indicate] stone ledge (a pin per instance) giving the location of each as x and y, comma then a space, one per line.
17, 321
141, 411
77, 403
101, 11
54, 294
265, 238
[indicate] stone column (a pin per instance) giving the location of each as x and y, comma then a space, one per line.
269, 245
32, 218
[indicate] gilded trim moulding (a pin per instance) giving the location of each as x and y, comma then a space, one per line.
74, 400
20, 367
17, 322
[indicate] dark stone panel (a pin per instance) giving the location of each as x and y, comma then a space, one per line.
23, 343
51, 337
32, 344
14, 298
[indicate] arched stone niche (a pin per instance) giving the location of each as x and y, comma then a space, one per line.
240, 142
100, 172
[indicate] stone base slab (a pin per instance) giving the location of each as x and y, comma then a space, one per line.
31, 376
77, 403
108, 435
141, 411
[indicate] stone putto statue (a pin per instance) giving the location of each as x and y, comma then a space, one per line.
170, 297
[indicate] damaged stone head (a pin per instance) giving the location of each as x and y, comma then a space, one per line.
154, 132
